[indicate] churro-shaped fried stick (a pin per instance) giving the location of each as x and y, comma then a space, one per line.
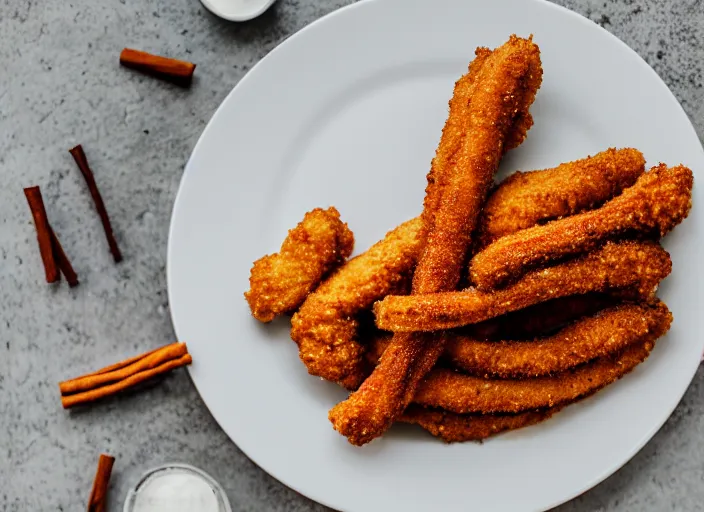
280, 282
460, 393
525, 199
634, 266
501, 90
659, 200
605, 333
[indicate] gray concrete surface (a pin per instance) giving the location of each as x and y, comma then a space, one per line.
60, 85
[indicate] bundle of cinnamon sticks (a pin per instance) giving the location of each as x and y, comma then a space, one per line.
126, 374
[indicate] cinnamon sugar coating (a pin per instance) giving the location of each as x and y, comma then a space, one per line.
658, 201
280, 282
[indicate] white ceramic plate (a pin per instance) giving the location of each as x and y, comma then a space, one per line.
348, 112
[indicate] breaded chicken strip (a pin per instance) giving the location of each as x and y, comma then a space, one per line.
454, 132
457, 428
451, 140
659, 200
506, 81
279, 283
605, 333
634, 266
495, 100
459, 393
525, 199
325, 327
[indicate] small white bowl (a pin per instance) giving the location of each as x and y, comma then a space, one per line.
237, 10
176, 468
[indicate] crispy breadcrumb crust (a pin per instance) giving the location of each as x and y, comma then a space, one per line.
604, 333
460, 393
531, 323
636, 266
649, 321
500, 88
279, 283
325, 327
659, 200
525, 199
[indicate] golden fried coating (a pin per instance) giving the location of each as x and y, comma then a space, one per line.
659, 200
454, 133
325, 327
525, 199
279, 283
457, 428
526, 324
459, 393
607, 332
634, 266
501, 87
451, 140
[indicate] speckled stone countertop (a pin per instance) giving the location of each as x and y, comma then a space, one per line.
60, 85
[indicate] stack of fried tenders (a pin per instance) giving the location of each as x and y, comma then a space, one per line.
562, 267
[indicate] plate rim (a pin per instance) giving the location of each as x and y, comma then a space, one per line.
341, 11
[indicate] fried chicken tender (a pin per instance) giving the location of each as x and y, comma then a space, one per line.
325, 327
457, 428
501, 88
659, 200
279, 283
525, 199
636, 267
459, 393
451, 140
454, 134
605, 333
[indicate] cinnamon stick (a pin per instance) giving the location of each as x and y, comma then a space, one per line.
82, 162
41, 223
179, 72
122, 364
97, 502
118, 377
62, 260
